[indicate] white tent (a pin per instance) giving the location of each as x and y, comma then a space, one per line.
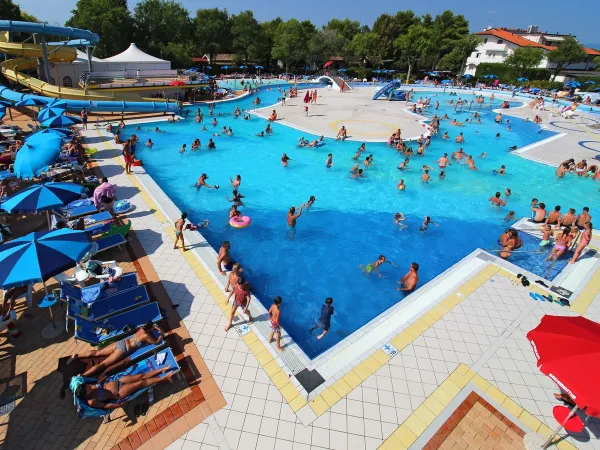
133, 55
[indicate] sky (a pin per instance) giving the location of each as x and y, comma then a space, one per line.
549, 15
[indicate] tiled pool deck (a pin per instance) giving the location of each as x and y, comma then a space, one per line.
399, 397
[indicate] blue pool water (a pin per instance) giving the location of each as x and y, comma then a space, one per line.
351, 222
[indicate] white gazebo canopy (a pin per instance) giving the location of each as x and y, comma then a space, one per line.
133, 55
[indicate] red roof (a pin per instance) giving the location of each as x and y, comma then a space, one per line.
522, 42
513, 38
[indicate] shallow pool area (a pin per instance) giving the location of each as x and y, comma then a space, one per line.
352, 221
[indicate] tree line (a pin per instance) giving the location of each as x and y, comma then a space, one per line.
165, 28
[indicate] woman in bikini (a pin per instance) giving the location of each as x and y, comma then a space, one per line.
561, 244
148, 334
110, 395
586, 237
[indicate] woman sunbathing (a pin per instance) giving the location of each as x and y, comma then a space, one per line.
110, 395
115, 352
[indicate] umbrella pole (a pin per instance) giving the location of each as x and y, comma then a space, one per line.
551, 438
50, 308
48, 219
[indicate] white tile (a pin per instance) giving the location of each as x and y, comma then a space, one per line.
302, 434
176, 445
232, 437
320, 437
372, 444
354, 408
268, 427
337, 422
272, 409
388, 414
338, 440
373, 428
356, 442
281, 444
260, 390
247, 441
245, 388
240, 403
191, 445
371, 411
322, 421
252, 423
370, 395
356, 425
235, 420
286, 413
256, 406
299, 446
285, 430
265, 443
197, 433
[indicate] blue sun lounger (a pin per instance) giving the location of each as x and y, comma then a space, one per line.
116, 327
116, 240
154, 362
102, 308
98, 291
95, 218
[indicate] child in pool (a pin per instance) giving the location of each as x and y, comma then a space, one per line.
546, 236
427, 222
510, 216
372, 267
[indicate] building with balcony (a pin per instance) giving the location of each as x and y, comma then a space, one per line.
498, 43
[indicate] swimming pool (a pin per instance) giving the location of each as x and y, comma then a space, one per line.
351, 223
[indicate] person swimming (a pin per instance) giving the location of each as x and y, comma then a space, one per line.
236, 198
373, 267
149, 143
401, 185
311, 201
329, 161
398, 219
426, 222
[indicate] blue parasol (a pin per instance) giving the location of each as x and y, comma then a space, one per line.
467, 75
259, 67
48, 113
60, 121
590, 82
37, 154
43, 197
226, 67
2, 112
31, 101
489, 76
377, 71
40, 255
573, 84
522, 79
447, 82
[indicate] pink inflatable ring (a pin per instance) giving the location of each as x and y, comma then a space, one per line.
240, 222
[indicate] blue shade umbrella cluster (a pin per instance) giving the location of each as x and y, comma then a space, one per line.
32, 101
447, 82
522, 79
42, 197
590, 82
41, 255
467, 75
489, 76
50, 112
573, 84
258, 67
60, 121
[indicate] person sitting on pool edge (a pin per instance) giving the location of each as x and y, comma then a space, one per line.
224, 258
372, 267
538, 213
325, 320
409, 281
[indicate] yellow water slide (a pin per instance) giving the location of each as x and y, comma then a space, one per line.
28, 54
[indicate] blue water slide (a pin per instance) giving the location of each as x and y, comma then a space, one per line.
385, 91
16, 26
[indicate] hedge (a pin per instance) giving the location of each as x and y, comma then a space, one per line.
508, 74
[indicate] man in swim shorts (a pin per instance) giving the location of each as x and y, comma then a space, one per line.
538, 213
583, 218
443, 161
568, 219
291, 222
554, 216
202, 182
274, 313
409, 281
496, 200
325, 319
224, 258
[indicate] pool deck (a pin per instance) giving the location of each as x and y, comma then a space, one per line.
402, 394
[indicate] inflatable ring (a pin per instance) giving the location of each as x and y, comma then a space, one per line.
241, 222
320, 144
122, 206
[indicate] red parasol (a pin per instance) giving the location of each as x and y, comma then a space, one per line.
307, 97
568, 351
327, 64
177, 83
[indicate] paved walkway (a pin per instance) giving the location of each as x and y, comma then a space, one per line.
365, 119
399, 397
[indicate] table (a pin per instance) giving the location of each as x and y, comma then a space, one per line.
51, 330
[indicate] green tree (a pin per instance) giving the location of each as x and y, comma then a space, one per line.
163, 26
447, 30
345, 29
367, 46
108, 18
324, 44
12, 11
261, 51
596, 61
414, 45
211, 32
26, 17
246, 32
567, 52
524, 58
290, 43
455, 60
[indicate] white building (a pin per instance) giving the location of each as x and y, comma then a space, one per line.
498, 43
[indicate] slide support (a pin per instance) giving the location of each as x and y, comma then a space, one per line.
45, 58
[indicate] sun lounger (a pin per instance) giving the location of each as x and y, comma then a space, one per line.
116, 327
74, 213
102, 308
147, 365
100, 290
95, 218
116, 240
82, 365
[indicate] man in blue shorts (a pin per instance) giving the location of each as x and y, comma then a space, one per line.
325, 319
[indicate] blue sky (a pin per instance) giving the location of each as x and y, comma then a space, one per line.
550, 15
